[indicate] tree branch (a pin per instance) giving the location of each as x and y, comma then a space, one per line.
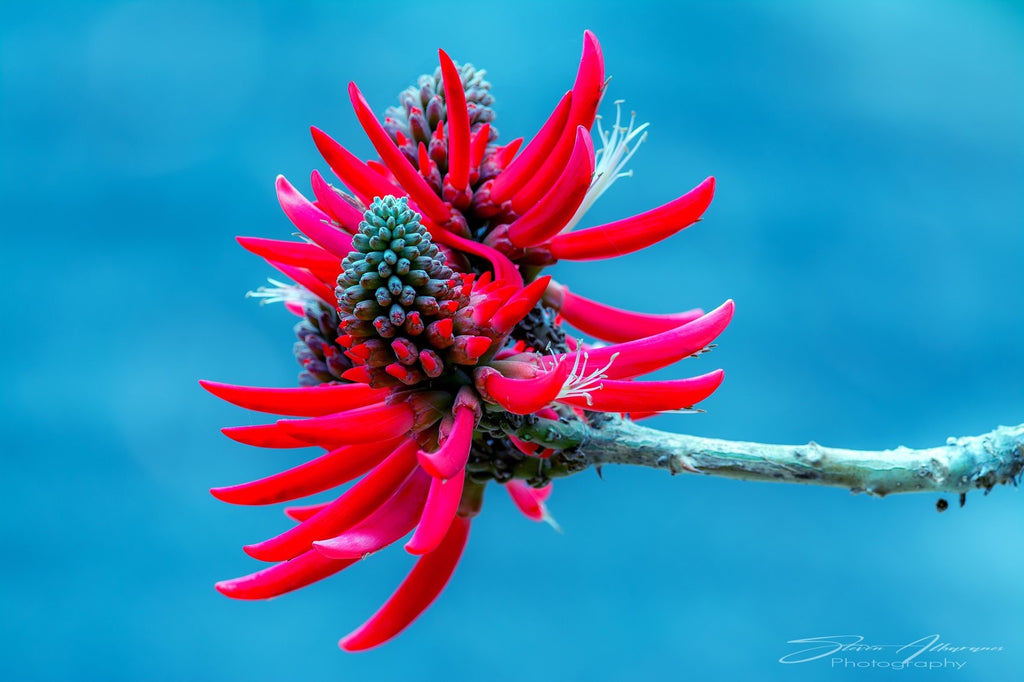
961, 465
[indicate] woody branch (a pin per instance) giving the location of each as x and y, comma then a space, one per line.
958, 466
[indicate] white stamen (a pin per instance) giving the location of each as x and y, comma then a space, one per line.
282, 293
579, 384
612, 158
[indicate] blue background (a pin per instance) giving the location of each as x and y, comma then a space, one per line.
869, 222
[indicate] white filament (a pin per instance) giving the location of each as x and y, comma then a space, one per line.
612, 158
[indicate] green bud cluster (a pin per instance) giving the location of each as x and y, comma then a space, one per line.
422, 110
392, 288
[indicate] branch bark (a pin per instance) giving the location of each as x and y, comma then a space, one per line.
959, 466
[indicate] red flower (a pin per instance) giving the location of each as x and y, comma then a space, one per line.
432, 350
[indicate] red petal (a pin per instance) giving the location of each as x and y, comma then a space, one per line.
438, 514
408, 177
360, 425
649, 396
586, 95
504, 269
301, 254
263, 436
613, 324
526, 396
529, 500
345, 213
312, 401
526, 165
458, 124
546, 218
358, 502
284, 577
310, 220
450, 458
395, 519
517, 307
364, 182
304, 511
329, 470
420, 588
478, 145
311, 282
654, 352
632, 234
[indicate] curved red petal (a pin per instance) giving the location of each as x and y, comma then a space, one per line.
632, 234
302, 254
418, 591
526, 396
458, 124
263, 436
310, 401
648, 396
327, 471
654, 352
303, 570
586, 95
311, 282
612, 324
504, 269
438, 514
359, 425
345, 213
517, 307
529, 500
546, 218
301, 512
519, 172
364, 182
358, 502
310, 220
450, 458
408, 177
395, 519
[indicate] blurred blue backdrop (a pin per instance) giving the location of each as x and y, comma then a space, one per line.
869, 221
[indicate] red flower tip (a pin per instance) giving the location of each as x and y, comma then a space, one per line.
303, 570
458, 124
586, 95
450, 458
395, 519
438, 513
517, 307
311, 401
361, 425
332, 202
526, 396
527, 164
609, 323
358, 502
263, 436
357, 176
406, 174
310, 220
639, 232
648, 396
654, 352
420, 588
329, 470
547, 217
467, 349
530, 500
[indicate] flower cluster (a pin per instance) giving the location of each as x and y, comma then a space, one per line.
432, 350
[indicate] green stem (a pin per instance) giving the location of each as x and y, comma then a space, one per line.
961, 465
